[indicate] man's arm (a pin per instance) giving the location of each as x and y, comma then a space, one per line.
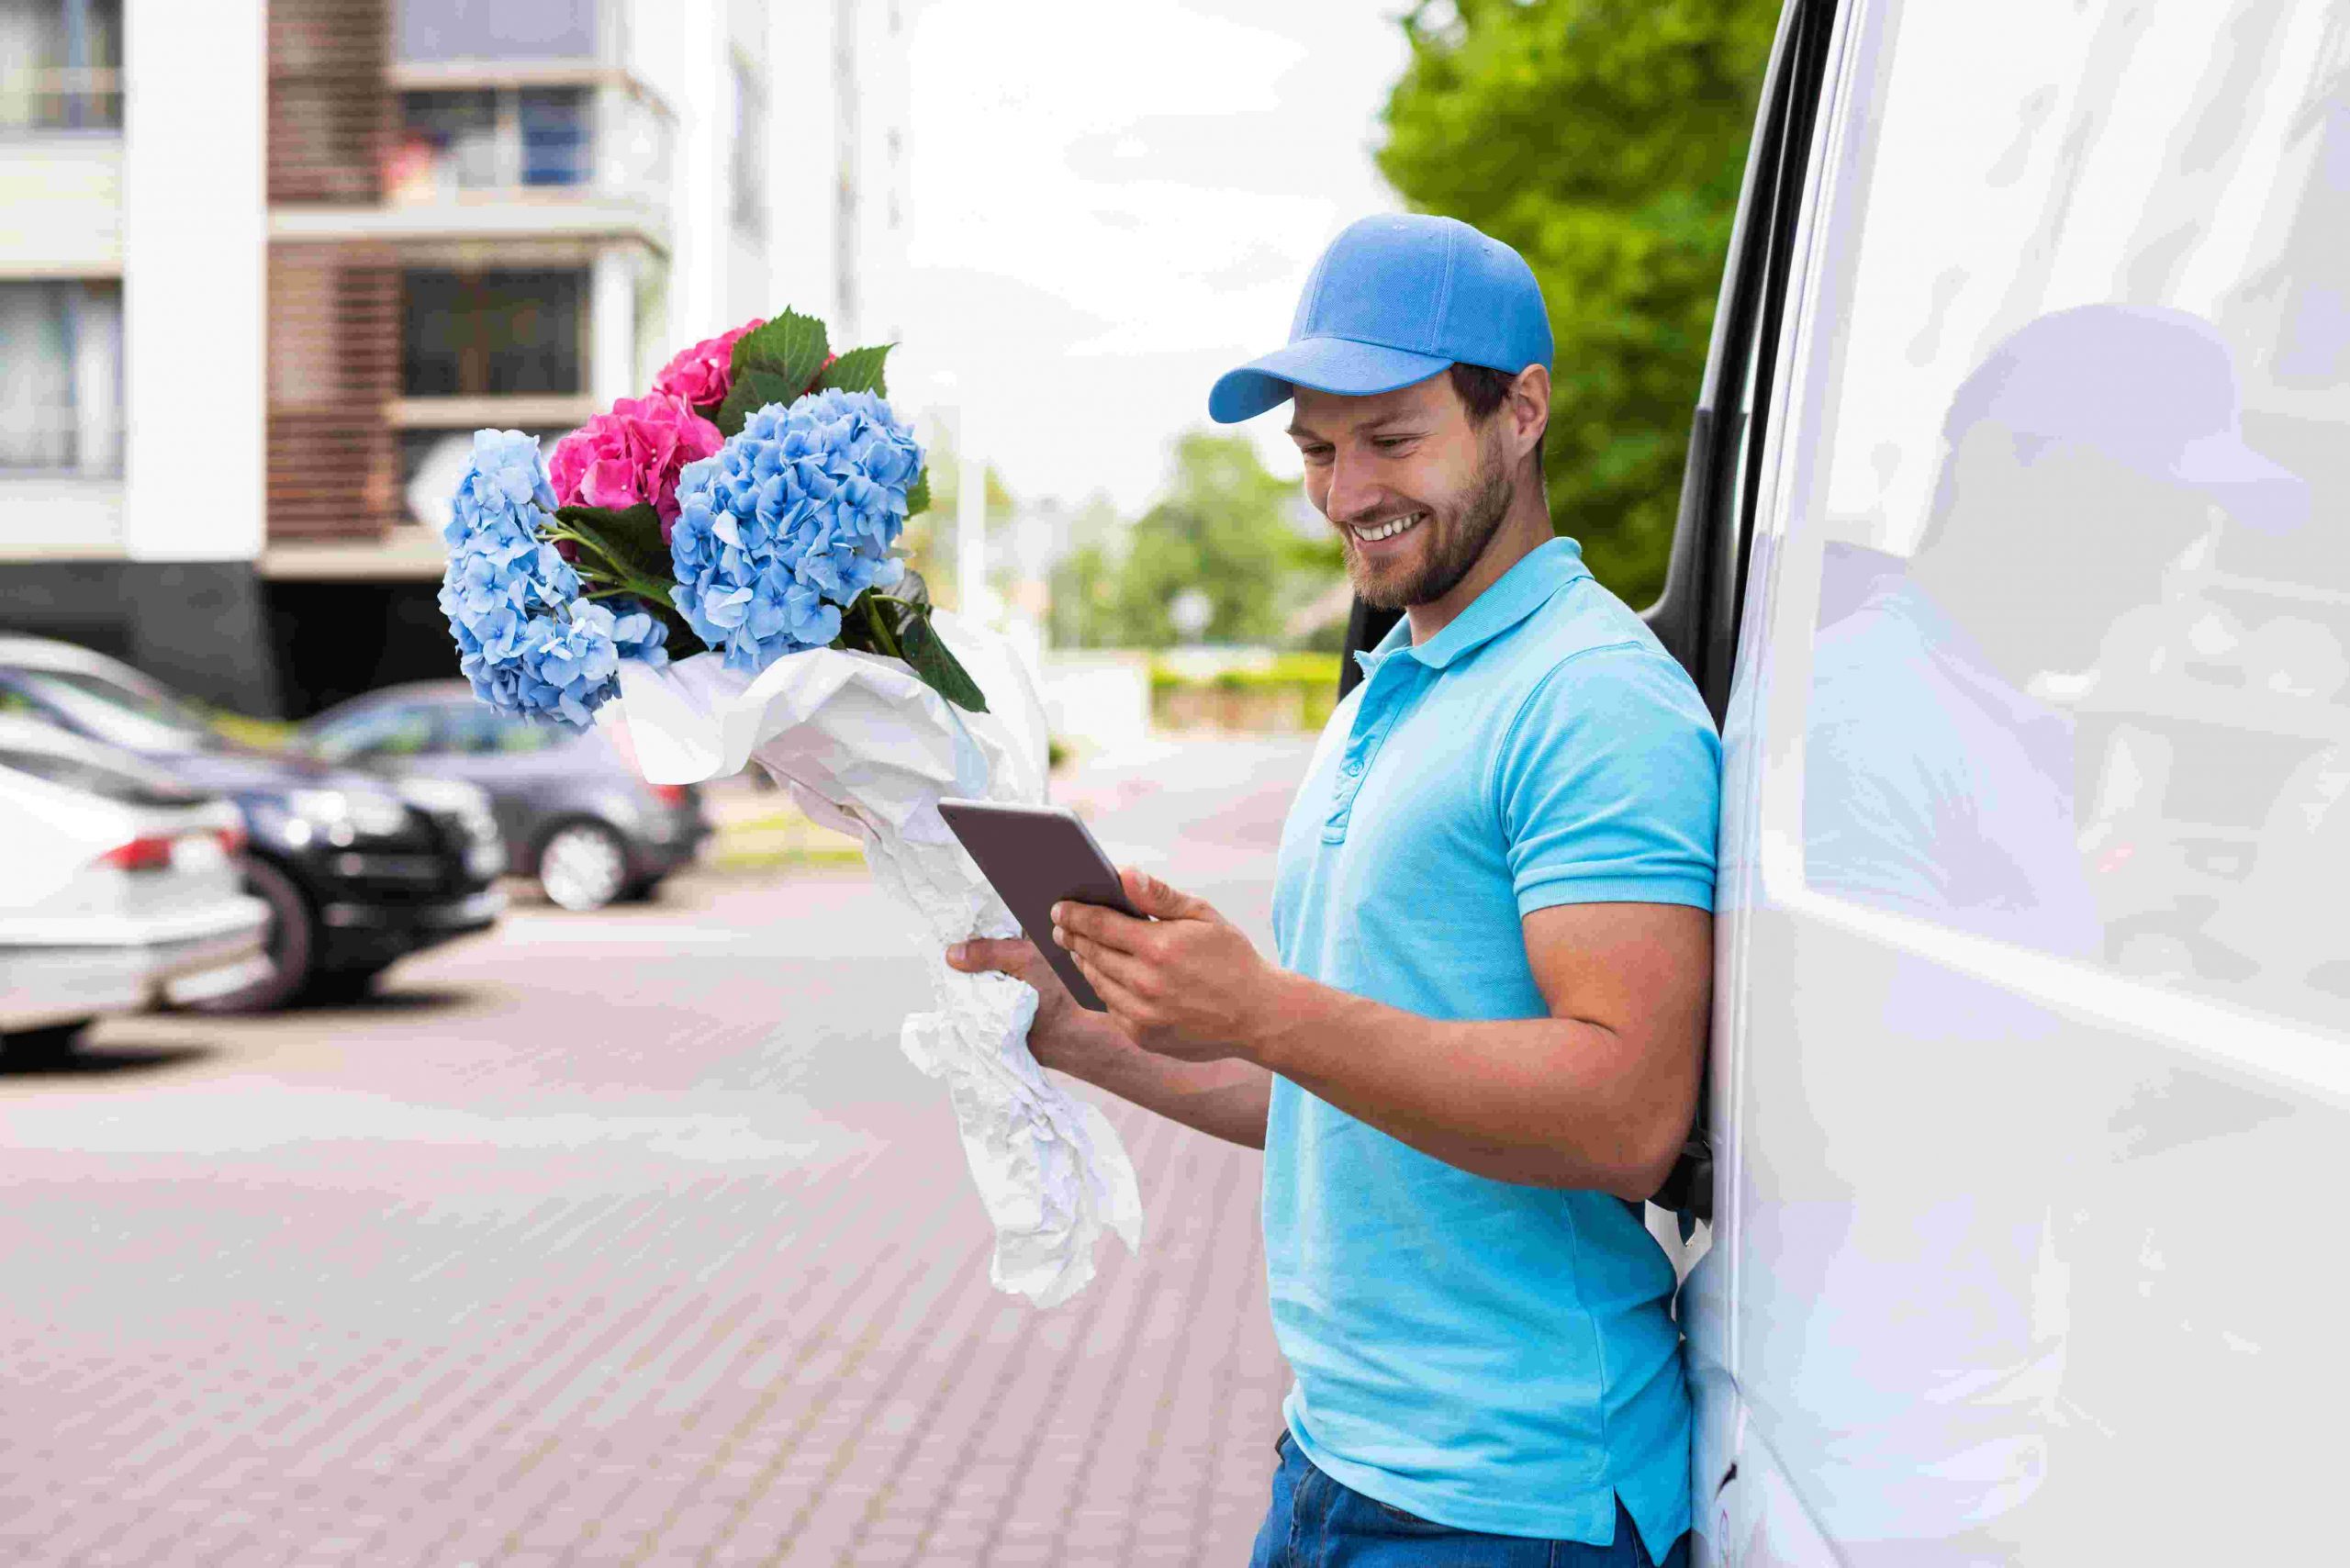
1225, 1099
1599, 1095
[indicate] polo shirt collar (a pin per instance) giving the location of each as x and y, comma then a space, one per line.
1514, 595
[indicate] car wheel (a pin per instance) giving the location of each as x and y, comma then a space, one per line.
583, 864
45, 1047
290, 941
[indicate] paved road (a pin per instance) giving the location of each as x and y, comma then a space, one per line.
620, 1238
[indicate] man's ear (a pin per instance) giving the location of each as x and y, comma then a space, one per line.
1528, 406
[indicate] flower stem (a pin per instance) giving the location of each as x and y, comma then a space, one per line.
885, 640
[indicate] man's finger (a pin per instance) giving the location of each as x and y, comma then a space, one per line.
1106, 926
1126, 1007
997, 955
1159, 901
1124, 969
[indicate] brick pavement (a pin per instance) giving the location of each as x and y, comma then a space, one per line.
621, 1239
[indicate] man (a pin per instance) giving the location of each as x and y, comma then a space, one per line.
1479, 1049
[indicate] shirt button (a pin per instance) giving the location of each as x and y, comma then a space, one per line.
1353, 768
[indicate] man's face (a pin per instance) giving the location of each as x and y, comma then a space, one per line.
1416, 490
2097, 532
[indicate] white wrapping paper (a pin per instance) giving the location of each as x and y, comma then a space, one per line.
866, 749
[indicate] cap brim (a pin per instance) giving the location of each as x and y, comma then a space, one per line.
2256, 491
1326, 364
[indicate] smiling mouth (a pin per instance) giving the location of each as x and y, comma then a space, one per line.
1374, 533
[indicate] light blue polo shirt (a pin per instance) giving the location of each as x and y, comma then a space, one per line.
1487, 1355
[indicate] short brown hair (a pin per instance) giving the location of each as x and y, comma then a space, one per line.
1482, 388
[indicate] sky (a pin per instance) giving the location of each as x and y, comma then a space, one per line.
1109, 204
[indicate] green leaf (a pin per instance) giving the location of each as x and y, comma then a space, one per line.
753, 390
630, 537
928, 655
860, 370
791, 348
918, 494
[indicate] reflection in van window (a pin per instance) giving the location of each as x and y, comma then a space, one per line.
2081, 679
2091, 451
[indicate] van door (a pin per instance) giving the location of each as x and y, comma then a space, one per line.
2033, 991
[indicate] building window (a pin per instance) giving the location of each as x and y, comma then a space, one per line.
496, 29
60, 65
558, 148
492, 334
61, 381
750, 134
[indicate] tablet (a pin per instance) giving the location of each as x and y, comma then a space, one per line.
1036, 856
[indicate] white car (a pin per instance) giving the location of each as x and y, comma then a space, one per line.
122, 889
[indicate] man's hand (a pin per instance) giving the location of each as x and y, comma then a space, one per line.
1185, 983
1064, 1036
1225, 1099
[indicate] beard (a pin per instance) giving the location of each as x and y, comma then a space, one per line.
1455, 547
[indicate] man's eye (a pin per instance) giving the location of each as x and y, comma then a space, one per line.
1318, 455
1392, 443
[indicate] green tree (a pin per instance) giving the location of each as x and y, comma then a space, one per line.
1605, 140
1222, 528
1218, 529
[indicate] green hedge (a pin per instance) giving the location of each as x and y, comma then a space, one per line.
1296, 690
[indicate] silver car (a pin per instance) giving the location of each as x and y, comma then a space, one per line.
122, 890
573, 810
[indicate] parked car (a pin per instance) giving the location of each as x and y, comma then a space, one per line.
357, 873
121, 892
574, 811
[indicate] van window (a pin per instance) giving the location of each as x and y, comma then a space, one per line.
2080, 675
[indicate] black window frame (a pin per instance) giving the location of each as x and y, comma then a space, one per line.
459, 323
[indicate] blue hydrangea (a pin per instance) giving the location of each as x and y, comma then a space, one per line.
638, 635
526, 639
793, 518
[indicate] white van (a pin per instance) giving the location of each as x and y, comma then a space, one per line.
2013, 557
2028, 458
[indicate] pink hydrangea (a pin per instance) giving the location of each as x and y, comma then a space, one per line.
703, 374
632, 454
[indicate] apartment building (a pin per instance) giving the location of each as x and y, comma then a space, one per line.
266, 266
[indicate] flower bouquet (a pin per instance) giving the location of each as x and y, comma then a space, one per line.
716, 561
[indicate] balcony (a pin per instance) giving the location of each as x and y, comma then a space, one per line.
554, 151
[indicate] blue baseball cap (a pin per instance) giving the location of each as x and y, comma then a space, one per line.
1394, 300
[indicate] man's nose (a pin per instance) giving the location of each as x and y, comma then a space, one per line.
1353, 495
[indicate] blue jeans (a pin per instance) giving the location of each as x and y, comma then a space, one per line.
1316, 1522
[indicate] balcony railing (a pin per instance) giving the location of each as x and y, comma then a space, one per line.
53, 443
60, 98
461, 144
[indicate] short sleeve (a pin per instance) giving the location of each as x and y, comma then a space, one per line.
1608, 784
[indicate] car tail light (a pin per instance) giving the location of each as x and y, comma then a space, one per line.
232, 840
151, 852
669, 794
